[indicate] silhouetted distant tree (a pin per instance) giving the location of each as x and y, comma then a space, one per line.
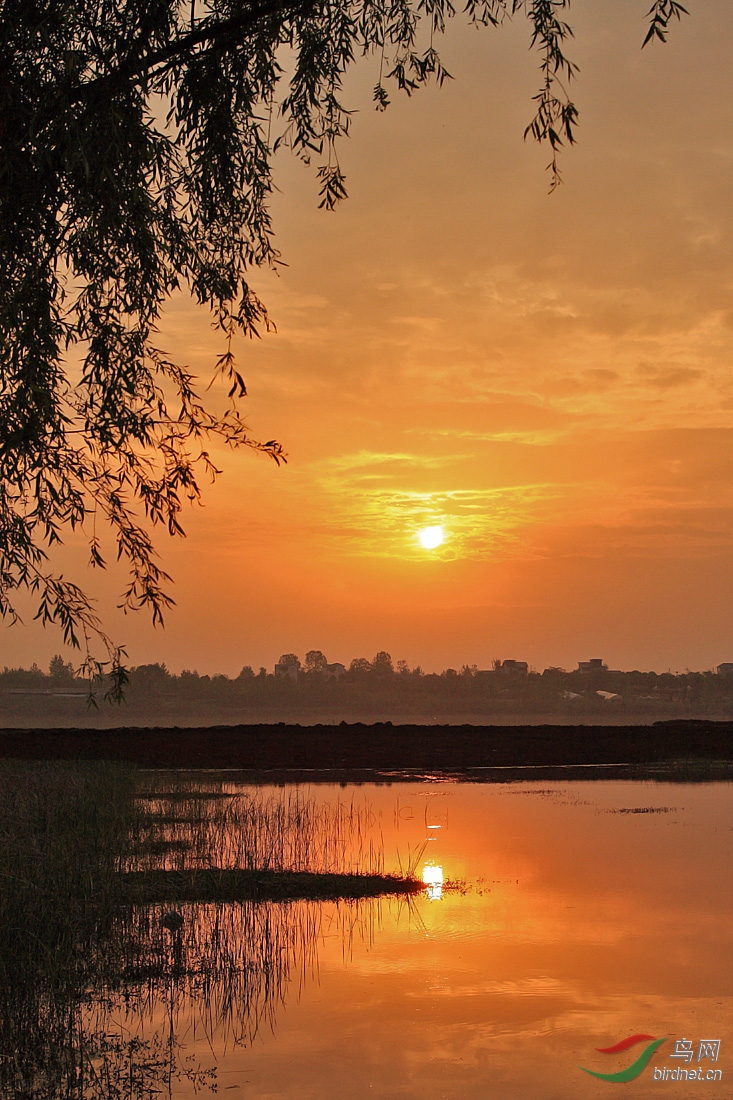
59, 669
289, 660
382, 664
315, 661
153, 676
360, 665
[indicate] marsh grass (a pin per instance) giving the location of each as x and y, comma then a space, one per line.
91, 986
64, 828
408, 869
226, 827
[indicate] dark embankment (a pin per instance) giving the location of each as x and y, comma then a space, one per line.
221, 884
380, 746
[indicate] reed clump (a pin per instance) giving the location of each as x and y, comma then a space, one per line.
222, 825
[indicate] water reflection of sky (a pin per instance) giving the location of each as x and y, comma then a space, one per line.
557, 918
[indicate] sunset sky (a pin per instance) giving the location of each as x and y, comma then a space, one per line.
548, 377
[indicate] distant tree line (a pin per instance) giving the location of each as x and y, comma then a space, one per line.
382, 685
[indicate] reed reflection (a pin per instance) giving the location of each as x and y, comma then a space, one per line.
98, 998
222, 976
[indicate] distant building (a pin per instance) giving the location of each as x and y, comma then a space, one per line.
726, 669
594, 665
334, 671
289, 671
514, 666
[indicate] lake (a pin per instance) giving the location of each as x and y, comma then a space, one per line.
558, 917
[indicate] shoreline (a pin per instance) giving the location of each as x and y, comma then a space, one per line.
109, 718
380, 746
213, 884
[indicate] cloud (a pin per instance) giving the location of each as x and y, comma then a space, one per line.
671, 377
478, 523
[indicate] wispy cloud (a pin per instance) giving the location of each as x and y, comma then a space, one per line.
385, 519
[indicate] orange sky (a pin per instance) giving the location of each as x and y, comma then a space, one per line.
547, 376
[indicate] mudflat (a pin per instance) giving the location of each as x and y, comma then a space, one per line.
381, 746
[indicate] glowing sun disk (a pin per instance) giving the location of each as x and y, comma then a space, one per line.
430, 537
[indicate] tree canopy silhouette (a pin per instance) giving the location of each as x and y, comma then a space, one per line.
137, 138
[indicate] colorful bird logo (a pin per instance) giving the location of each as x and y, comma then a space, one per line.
631, 1072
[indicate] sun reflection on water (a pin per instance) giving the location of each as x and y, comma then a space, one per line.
432, 876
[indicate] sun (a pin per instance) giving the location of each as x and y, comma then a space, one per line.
430, 537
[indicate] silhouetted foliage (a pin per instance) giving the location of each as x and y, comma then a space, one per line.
59, 669
382, 664
315, 661
360, 665
156, 696
137, 139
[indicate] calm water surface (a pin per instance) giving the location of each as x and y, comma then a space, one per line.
558, 918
